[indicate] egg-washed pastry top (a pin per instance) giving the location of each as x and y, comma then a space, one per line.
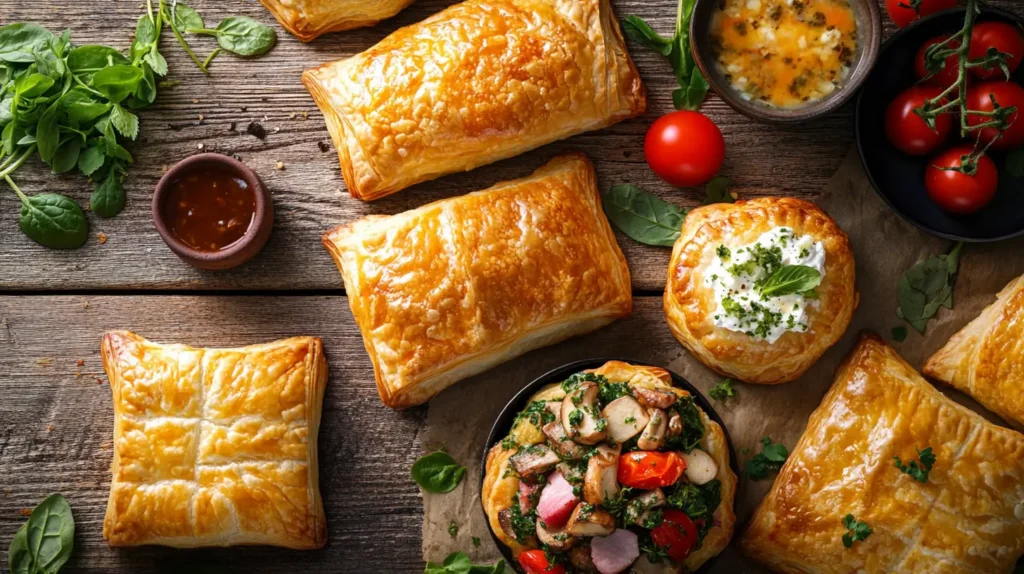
758, 290
613, 469
215, 447
952, 502
481, 81
455, 287
307, 19
986, 358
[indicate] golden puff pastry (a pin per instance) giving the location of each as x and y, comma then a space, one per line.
775, 339
457, 286
986, 358
215, 447
967, 517
481, 81
307, 19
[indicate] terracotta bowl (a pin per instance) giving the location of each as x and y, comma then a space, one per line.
869, 28
243, 249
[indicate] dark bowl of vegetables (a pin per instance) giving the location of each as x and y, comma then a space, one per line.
644, 477
958, 184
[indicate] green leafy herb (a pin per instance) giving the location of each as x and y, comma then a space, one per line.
917, 471
770, 459
453, 529
693, 428
460, 563
789, 280
642, 216
927, 286
1015, 162
693, 87
569, 385
44, 543
608, 392
437, 472
718, 191
856, 530
899, 334
723, 390
698, 502
243, 36
476, 542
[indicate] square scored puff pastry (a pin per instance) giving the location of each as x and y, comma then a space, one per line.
215, 447
986, 358
455, 287
968, 517
307, 19
481, 81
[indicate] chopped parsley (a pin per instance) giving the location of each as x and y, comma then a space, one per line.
693, 427
576, 417
618, 504
629, 420
856, 530
918, 472
569, 385
770, 459
608, 392
723, 390
453, 529
523, 525
536, 413
509, 443
723, 252
653, 519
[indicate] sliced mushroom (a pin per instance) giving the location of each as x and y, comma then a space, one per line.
554, 407
581, 418
675, 425
505, 520
626, 418
581, 561
700, 467
637, 508
574, 473
561, 443
655, 398
654, 433
601, 480
559, 540
534, 459
589, 520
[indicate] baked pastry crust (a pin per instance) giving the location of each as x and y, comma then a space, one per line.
500, 487
986, 358
967, 517
307, 19
215, 447
481, 81
457, 286
690, 304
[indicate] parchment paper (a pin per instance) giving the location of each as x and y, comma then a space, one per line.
884, 246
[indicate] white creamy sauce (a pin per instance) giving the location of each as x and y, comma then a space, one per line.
734, 275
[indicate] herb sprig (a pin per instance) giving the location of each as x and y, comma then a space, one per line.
927, 286
770, 459
650, 220
460, 563
914, 469
693, 86
723, 391
857, 530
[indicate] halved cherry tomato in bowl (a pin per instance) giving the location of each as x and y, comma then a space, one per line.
1001, 36
903, 13
908, 131
650, 470
535, 562
684, 148
955, 191
950, 71
979, 98
676, 535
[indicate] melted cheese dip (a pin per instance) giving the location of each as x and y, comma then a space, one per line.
734, 276
785, 53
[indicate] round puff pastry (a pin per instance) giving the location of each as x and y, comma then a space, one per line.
500, 486
307, 19
689, 303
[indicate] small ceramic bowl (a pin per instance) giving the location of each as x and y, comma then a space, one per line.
243, 249
869, 28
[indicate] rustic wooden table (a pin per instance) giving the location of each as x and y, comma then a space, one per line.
55, 413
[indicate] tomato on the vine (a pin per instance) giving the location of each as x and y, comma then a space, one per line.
979, 98
907, 130
903, 13
535, 562
676, 535
955, 191
949, 73
1002, 37
684, 148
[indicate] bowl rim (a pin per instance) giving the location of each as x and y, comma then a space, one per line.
859, 115
860, 73
252, 234
503, 422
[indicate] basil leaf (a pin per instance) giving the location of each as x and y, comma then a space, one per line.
641, 32
48, 133
44, 543
66, 156
117, 82
927, 286
19, 41
186, 18
1015, 162
791, 279
54, 221
245, 36
126, 122
91, 159
108, 198
642, 216
437, 472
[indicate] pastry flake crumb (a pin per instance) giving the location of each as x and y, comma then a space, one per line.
279, 166
101, 237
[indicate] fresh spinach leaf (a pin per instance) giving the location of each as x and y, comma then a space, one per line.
186, 18
244, 36
32, 85
91, 159
642, 216
53, 221
641, 32
18, 42
693, 87
48, 133
81, 106
108, 199
44, 543
460, 563
66, 157
927, 286
717, 191
84, 61
117, 82
789, 280
438, 472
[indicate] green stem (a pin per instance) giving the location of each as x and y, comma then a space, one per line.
21, 196
10, 168
184, 44
210, 58
212, 32
680, 19
149, 10
86, 86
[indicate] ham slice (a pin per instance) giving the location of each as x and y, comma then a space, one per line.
526, 495
615, 553
557, 501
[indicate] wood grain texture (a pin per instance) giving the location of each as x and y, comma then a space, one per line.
309, 193
56, 420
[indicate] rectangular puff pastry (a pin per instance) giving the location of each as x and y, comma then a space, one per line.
986, 358
457, 286
307, 19
967, 517
481, 81
215, 447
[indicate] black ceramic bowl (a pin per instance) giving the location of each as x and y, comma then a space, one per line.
503, 425
899, 178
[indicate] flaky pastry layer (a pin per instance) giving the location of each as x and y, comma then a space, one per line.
307, 19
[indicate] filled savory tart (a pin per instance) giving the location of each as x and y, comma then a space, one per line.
759, 290
613, 470
307, 19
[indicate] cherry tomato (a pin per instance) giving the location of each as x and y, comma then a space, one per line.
1007, 94
534, 562
908, 131
957, 192
684, 148
677, 535
1002, 37
949, 73
902, 14
650, 470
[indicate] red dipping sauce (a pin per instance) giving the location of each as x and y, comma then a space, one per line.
209, 209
